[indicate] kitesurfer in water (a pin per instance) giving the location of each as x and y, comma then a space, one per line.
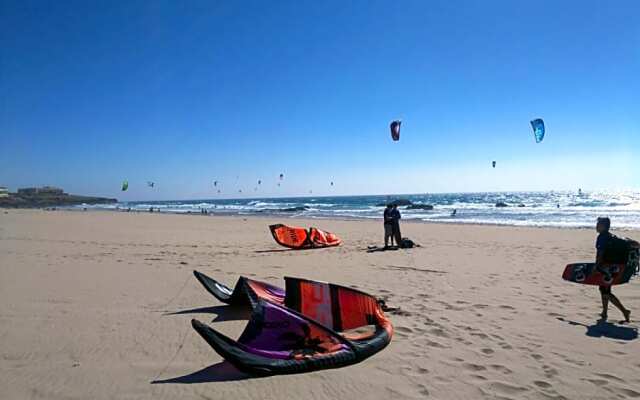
395, 220
388, 225
603, 246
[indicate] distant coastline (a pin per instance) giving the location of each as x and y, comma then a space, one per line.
48, 196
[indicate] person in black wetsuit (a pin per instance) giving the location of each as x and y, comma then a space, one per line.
603, 245
388, 226
395, 218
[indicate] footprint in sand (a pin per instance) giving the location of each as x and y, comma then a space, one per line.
481, 335
437, 345
474, 367
536, 356
549, 372
404, 329
628, 392
439, 332
542, 384
507, 389
487, 351
611, 378
500, 368
597, 382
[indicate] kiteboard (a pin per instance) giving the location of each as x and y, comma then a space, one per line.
587, 274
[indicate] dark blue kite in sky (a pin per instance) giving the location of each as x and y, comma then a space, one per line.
538, 129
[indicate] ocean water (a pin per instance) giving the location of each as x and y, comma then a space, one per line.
553, 209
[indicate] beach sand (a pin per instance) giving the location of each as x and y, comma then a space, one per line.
97, 305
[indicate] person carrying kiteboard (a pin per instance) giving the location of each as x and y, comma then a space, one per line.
611, 249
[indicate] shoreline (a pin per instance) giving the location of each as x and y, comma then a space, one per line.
320, 218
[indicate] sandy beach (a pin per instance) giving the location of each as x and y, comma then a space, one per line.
98, 305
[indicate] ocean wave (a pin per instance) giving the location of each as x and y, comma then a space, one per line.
540, 208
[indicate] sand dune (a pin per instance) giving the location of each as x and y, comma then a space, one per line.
97, 305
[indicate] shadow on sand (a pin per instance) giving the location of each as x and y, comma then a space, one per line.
606, 329
223, 313
287, 250
221, 372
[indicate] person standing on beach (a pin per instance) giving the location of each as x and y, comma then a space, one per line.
395, 219
605, 246
388, 226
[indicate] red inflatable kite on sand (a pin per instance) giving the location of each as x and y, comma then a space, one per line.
300, 238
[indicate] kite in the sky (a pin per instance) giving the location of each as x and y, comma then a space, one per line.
281, 176
538, 129
493, 163
125, 185
151, 184
215, 183
395, 130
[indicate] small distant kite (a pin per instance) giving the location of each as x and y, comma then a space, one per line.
125, 186
493, 163
259, 182
395, 130
151, 184
538, 129
281, 176
215, 183
331, 183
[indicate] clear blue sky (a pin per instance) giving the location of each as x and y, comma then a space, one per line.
184, 93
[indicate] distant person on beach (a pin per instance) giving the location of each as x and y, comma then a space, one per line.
388, 225
395, 220
454, 212
607, 247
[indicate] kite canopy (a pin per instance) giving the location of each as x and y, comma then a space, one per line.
309, 326
125, 185
300, 238
395, 130
538, 129
493, 163
151, 184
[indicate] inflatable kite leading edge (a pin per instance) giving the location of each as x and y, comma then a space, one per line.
309, 326
300, 238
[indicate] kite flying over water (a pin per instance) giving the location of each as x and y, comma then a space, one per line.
538, 129
151, 184
125, 185
493, 163
395, 130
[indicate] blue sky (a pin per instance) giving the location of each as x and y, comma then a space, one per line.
184, 93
